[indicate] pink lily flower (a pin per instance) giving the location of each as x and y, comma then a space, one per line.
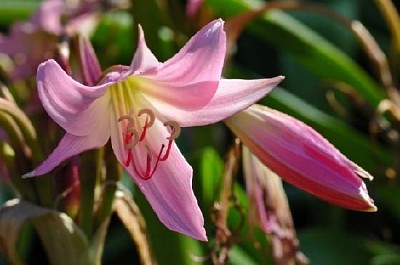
302, 157
192, 7
269, 210
142, 107
43, 29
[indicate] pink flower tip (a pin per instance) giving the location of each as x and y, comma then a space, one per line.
29, 175
302, 157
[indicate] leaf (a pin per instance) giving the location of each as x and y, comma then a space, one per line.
98, 241
130, 215
147, 14
332, 247
210, 169
305, 45
12, 10
63, 241
118, 27
240, 257
383, 248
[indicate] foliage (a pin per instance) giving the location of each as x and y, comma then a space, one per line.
340, 60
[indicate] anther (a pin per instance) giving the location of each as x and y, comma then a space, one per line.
175, 127
130, 133
175, 131
150, 116
129, 117
131, 138
131, 121
149, 121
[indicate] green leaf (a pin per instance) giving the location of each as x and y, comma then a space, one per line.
12, 10
388, 198
383, 248
328, 247
148, 15
63, 241
305, 45
207, 179
97, 243
114, 39
132, 219
239, 257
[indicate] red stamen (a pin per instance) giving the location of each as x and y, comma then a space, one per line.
143, 134
131, 138
148, 165
149, 121
128, 159
149, 173
165, 157
158, 159
127, 138
137, 171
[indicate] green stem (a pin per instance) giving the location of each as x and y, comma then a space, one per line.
88, 185
23, 135
108, 190
15, 156
392, 19
25, 126
24, 186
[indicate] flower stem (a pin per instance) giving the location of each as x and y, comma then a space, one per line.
88, 184
109, 187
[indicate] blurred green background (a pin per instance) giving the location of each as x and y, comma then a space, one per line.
331, 84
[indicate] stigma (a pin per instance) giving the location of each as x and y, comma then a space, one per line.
135, 134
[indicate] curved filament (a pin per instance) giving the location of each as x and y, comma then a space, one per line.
132, 138
149, 121
175, 128
130, 133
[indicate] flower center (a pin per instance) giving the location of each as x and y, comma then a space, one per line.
131, 138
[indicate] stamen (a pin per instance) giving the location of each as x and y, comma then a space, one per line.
129, 117
158, 159
144, 177
175, 132
148, 173
130, 131
129, 159
175, 127
131, 138
165, 157
131, 121
129, 134
149, 121
150, 115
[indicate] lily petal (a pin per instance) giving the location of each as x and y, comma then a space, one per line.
301, 156
90, 66
190, 78
69, 146
269, 209
231, 97
200, 60
144, 59
16, 41
169, 190
75, 107
48, 17
192, 7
